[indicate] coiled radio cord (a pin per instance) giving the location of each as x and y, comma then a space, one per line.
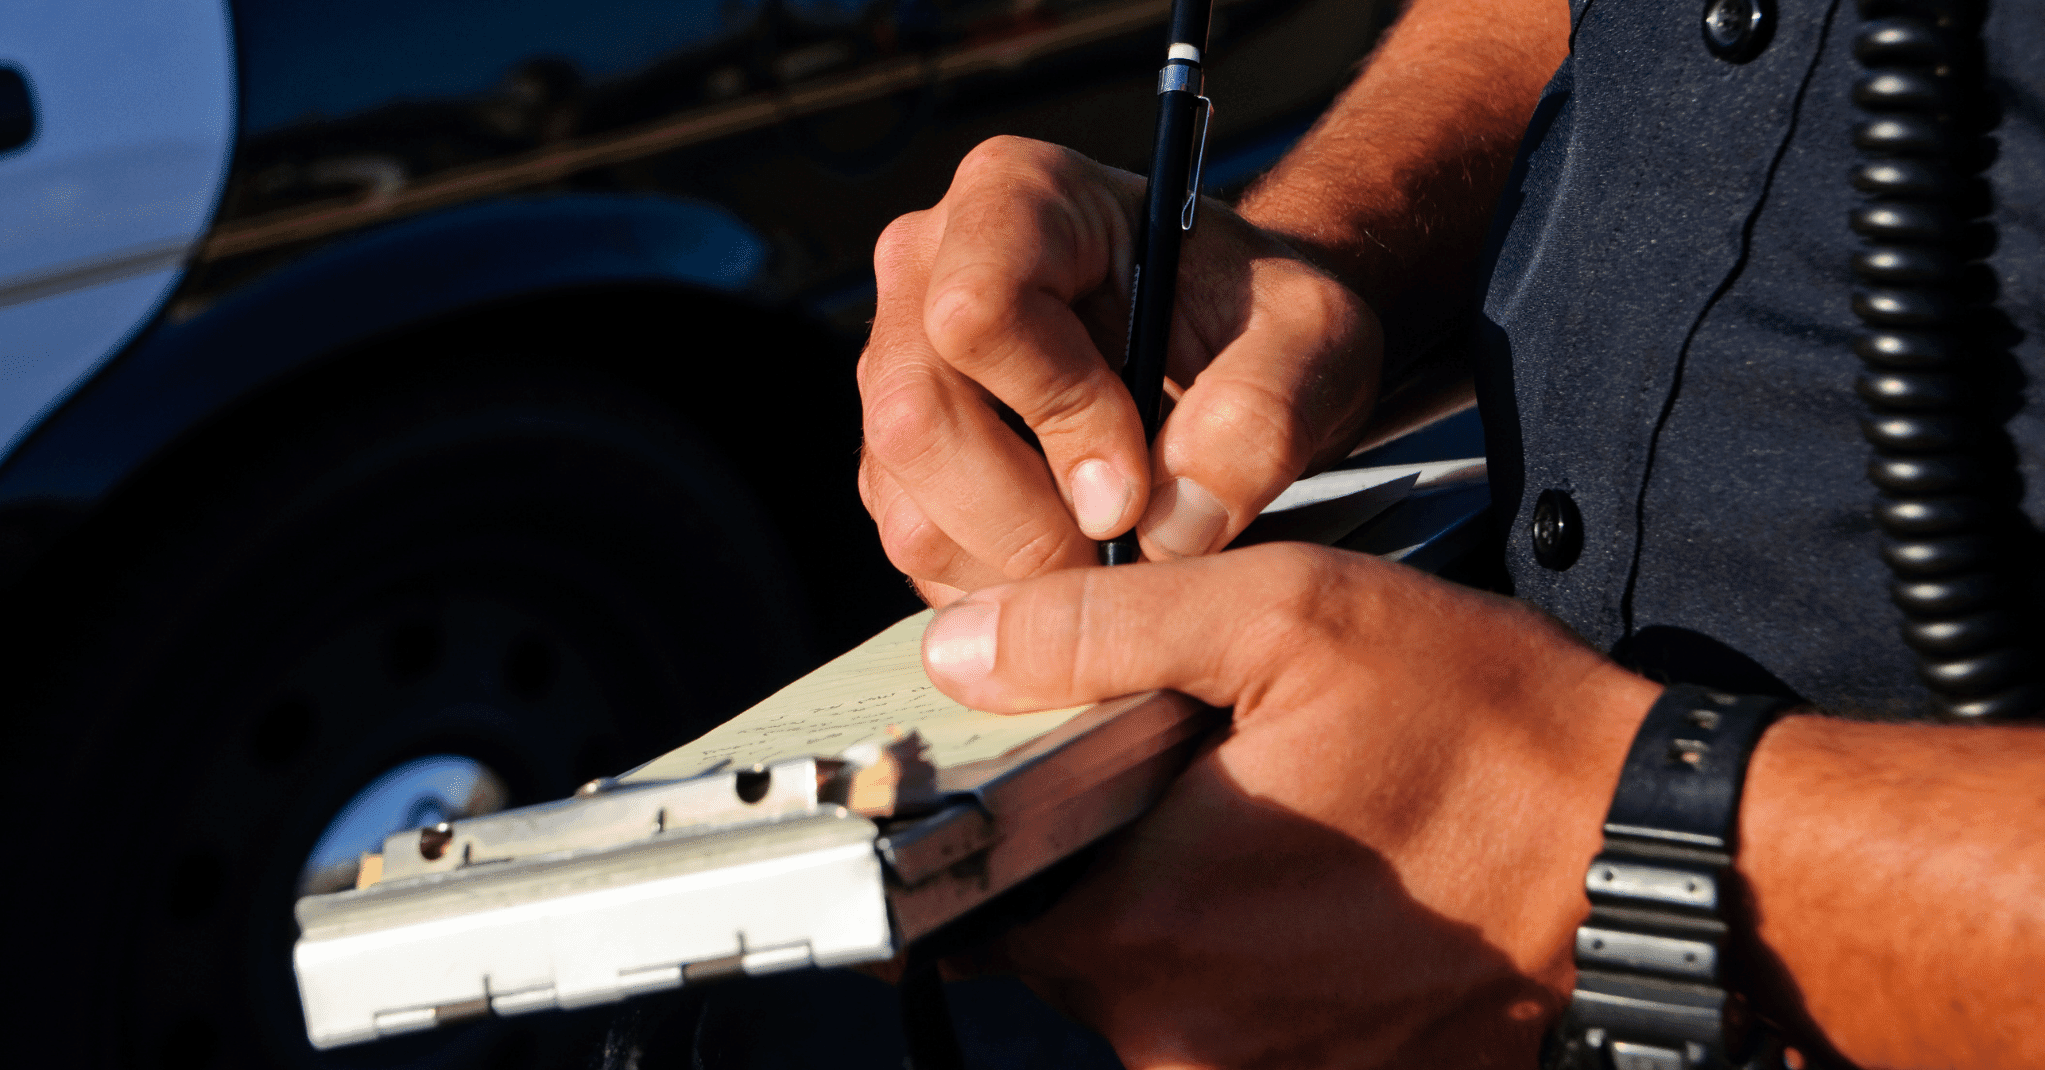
1947, 506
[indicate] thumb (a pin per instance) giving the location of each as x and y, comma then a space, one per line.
1214, 628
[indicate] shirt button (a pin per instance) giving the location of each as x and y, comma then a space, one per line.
1558, 530
1737, 30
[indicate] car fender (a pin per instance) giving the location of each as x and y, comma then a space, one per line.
178, 375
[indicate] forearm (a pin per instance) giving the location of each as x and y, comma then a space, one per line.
1394, 186
1897, 887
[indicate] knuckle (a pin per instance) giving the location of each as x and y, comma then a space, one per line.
1320, 300
1269, 436
868, 364
1341, 320
1003, 153
869, 482
1060, 405
1303, 596
1097, 655
919, 549
902, 241
992, 152
1298, 578
1041, 552
966, 310
1007, 178
904, 417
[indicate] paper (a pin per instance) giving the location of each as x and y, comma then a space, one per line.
852, 699
1358, 483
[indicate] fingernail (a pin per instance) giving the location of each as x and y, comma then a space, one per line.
1099, 497
1184, 519
958, 645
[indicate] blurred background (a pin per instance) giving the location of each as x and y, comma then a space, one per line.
477, 419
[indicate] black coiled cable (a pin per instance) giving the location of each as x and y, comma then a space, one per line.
1947, 502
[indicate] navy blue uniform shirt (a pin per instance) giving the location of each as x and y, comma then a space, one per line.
1668, 330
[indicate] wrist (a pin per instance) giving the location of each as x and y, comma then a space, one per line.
1769, 822
1330, 228
1553, 764
1593, 728
1540, 768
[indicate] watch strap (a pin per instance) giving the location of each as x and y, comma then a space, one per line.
1651, 988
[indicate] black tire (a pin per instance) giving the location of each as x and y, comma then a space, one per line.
532, 567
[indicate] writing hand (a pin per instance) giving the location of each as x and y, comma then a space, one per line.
1014, 289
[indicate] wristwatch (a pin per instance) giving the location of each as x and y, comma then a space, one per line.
1650, 984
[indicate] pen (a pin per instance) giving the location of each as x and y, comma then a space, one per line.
1170, 198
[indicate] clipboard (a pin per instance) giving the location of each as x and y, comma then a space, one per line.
814, 844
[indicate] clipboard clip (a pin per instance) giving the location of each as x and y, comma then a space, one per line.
1199, 159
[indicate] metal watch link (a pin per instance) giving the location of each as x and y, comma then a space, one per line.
1651, 988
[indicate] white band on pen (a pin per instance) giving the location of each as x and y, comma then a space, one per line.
1183, 51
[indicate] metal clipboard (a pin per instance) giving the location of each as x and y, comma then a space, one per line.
635, 887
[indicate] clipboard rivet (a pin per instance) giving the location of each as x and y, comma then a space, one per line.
752, 784
433, 841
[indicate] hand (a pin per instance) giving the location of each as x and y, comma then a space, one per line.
1014, 289
1380, 864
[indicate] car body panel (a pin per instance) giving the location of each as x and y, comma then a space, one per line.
134, 107
353, 291
816, 123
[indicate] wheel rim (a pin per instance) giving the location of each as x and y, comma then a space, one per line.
415, 794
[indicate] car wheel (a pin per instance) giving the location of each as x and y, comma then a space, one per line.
402, 603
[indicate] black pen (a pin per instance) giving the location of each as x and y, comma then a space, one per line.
1170, 199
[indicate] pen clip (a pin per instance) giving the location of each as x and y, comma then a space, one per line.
1199, 159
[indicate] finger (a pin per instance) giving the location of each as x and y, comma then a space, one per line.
1031, 230
935, 563
967, 472
935, 434
1215, 628
1290, 389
